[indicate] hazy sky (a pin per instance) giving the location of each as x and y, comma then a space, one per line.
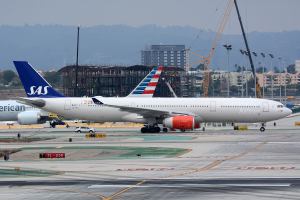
258, 15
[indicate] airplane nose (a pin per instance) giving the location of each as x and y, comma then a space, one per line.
287, 111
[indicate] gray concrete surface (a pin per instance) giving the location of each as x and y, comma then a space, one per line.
219, 164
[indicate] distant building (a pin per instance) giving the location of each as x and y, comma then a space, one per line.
119, 81
166, 55
278, 79
297, 65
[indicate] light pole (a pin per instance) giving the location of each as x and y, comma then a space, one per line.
272, 81
254, 75
243, 79
285, 83
76, 69
284, 61
255, 80
280, 63
246, 76
263, 86
228, 48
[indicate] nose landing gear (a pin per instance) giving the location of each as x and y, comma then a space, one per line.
262, 128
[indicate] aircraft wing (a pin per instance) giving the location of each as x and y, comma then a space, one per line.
145, 112
35, 102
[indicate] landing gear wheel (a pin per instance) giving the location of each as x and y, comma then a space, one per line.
156, 129
144, 130
165, 130
150, 129
262, 129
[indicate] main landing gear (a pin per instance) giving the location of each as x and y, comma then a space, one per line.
150, 129
165, 130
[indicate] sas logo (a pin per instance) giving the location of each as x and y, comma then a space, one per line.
40, 90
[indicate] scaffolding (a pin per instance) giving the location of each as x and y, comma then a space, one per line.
115, 81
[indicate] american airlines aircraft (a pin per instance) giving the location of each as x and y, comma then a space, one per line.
172, 113
11, 110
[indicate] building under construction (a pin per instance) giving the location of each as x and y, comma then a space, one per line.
116, 80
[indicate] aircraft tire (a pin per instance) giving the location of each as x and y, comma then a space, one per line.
156, 129
144, 130
262, 129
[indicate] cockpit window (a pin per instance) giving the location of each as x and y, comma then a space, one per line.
279, 106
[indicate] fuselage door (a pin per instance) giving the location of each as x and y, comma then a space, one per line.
67, 104
265, 107
212, 106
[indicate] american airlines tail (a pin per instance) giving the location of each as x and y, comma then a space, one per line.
146, 87
34, 84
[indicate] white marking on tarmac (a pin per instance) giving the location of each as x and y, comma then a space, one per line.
105, 186
193, 185
260, 185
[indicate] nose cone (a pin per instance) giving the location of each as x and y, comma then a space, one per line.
287, 111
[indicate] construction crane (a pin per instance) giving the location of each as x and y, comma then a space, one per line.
257, 85
206, 60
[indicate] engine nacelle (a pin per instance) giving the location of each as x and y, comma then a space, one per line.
29, 117
185, 122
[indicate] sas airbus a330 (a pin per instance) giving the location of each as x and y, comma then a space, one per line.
172, 113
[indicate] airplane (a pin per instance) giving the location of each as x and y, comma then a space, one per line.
11, 110
173, 113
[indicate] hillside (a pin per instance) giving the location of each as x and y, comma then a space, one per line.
53, 46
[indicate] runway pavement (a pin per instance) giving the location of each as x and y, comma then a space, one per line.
216, 164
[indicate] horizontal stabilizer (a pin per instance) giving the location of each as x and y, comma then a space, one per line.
32, 102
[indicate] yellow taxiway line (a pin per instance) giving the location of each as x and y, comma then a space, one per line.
208, 167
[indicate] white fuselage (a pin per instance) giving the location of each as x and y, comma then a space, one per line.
248, 110
9, 110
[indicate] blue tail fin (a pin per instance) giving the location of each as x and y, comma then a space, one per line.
34, 84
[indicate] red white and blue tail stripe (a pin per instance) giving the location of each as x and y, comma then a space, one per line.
146, 87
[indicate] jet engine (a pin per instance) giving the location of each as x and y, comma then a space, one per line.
29, 117
184, 122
